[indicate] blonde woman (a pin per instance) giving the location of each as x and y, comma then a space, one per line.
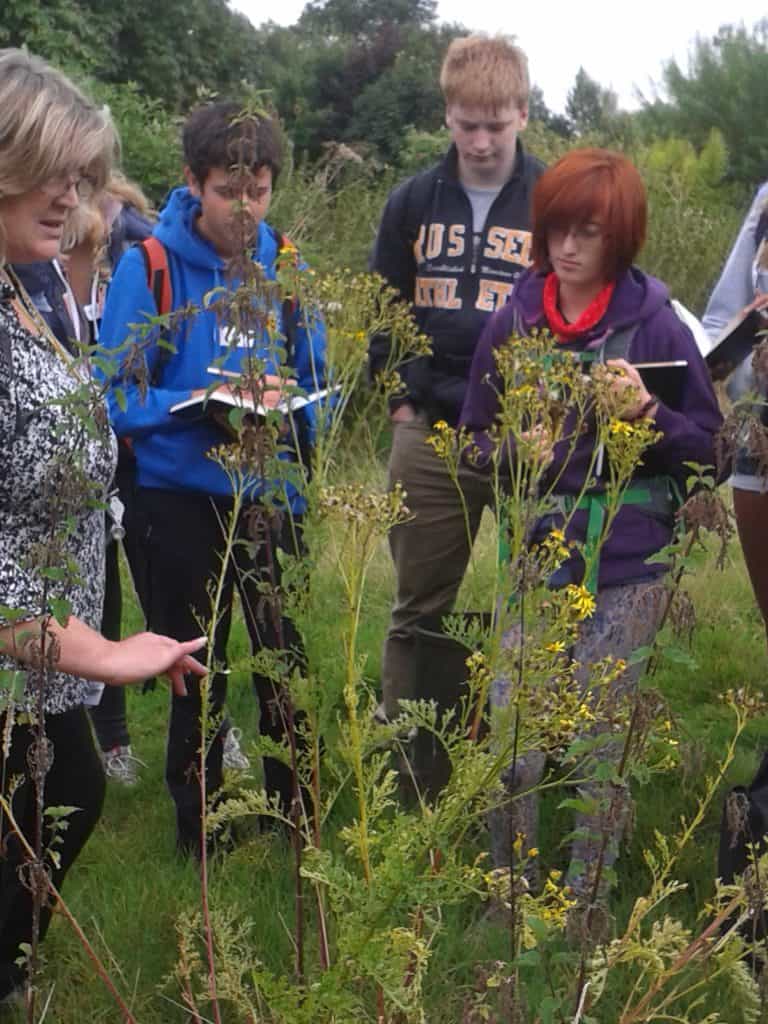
53, 463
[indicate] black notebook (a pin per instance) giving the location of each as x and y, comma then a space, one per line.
734, 343
664, 380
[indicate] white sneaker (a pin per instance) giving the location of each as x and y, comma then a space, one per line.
234, 759
121, 765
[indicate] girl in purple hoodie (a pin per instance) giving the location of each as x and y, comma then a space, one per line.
589, 222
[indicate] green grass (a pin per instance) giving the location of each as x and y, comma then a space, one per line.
128, 887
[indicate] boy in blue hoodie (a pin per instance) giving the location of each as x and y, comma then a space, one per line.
184, 497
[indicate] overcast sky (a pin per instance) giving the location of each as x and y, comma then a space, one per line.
622, 45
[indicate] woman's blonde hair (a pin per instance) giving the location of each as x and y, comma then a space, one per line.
48, 129
129, 193
85, 226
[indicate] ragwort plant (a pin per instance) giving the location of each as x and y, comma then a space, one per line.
383, 884
544, 400
373, 880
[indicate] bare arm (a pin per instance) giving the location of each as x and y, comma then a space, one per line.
79, 650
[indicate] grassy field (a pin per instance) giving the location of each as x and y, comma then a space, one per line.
129, 888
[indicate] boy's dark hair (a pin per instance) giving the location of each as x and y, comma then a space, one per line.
221, 135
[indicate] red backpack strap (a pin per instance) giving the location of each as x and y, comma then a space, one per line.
159, 281
158, 273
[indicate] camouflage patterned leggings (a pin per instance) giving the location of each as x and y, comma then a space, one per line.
625, 618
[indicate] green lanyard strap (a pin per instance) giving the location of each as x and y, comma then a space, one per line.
657, 492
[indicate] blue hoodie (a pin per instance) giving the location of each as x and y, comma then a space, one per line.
171, 453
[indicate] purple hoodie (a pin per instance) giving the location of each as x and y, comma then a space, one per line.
688, 431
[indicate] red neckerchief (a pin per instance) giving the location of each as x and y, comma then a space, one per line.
592, 315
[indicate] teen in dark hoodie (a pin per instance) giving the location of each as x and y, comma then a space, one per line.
589, 220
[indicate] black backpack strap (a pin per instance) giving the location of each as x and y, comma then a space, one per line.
418, 197
617, 344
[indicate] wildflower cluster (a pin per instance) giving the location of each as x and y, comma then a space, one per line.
556, 546
443, 441
355, 308
353, 504
579, 600
626, 442
548, 908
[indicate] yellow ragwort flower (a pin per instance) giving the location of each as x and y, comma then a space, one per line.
580, 599
621, 427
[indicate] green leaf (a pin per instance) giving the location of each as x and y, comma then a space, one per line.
679, 656
120, 398
53, 572
547, 1008
539, 929
640, 654
105, 367
530, 958
61, 811
11, 615
12, 680
61, 610
605, 772
581, 806
235, 418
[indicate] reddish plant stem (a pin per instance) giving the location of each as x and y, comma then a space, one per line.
128, 1017
700, 943
381, 1013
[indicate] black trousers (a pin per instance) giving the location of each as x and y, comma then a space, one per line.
74, 779
183, 544
109, 716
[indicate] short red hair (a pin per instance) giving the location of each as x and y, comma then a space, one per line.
592, 185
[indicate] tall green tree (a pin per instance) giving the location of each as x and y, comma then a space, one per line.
63, 31
365, 17
171, 50
724, 88
539, 112
589, 106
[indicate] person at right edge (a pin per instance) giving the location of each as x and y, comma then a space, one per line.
743, 285
452, 241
